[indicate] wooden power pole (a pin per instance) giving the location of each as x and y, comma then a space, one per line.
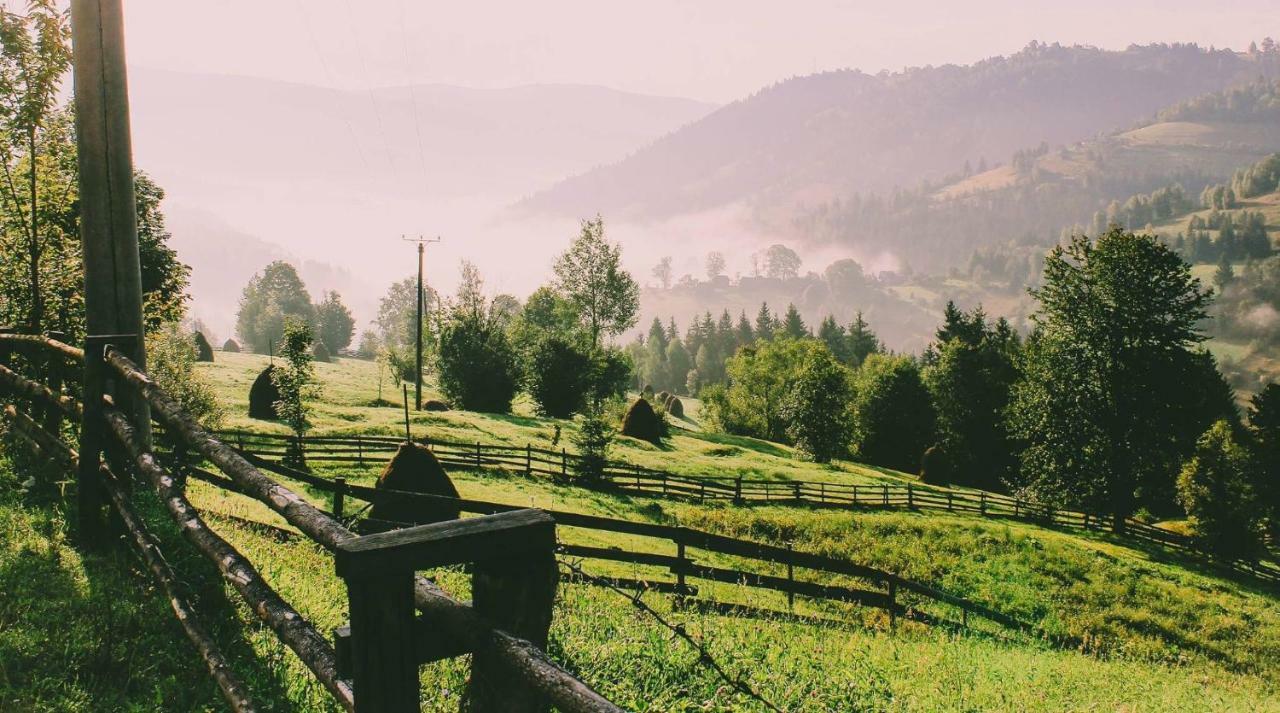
417, 381
108, 221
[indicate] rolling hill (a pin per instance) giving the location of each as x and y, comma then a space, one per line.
813, 139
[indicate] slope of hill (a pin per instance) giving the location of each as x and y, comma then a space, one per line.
811, 139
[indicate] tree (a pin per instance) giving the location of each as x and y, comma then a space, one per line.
1225, 274
862, 341
476, 362
715, 265
588, 274
267, 302
766, 325
1103, 407
678, 364
893, 416
545, 313
295, 380
1216, 489
816, 408
334, 323
397, 314
592, 440
792, 324
662, 271
559, 376
171, 362
1264, 424
759, 379
970, 384
781, 262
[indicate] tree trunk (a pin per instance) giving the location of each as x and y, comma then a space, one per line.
36, 318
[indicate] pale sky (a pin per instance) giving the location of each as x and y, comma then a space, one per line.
716, 50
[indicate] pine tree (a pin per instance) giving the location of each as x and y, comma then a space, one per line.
764, 323
743, 336
792, 325
862, 341
833, 335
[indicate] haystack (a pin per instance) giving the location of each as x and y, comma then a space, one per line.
675, 406
415, 469
647, 391
204, 350
263, 396
320, 352
231, 346
663, 397
642, 422
935, 466
434, 405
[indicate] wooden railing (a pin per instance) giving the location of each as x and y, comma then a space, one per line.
631, 478
502, 662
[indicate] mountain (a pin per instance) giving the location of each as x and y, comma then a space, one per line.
813, 139
256, 169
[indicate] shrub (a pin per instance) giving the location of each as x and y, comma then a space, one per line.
1215, 487
478, 370
295, 381
759, 379
592, 440
643, 422
559, 376
204, 350
415, 469
611, 373
434, 405
231, 346
171, 358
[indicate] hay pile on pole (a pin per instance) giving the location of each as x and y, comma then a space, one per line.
204, 350
231, 346
263, 396
415, 469
674, 406
642, 422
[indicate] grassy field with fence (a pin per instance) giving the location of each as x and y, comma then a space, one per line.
1110, 622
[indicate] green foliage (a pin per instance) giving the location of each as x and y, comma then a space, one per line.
970, 374
1264, 424
171, 362
759, 379
678, 365
592, 440
1112, 397
589, 274
792, 325
893, 416
611, 374
334, 324
477, 366
559, 376
816, 407
1216, 489
781, 262
295, 379
546, 312
271, 299
397, 316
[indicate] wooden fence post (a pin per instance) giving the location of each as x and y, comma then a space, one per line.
949, 508
513, 587
822, 492
564, 463
339, 493
911, 500
53, 415
885, 487
737, 490
359, 449
477, 454
528, 459
982, 503
855, 494
796, 486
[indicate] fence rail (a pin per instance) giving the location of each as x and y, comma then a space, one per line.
630, 478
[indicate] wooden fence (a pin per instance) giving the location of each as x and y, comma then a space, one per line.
509, 673
631, 478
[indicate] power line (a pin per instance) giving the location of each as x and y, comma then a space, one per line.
413, 95
368, 83
704, 655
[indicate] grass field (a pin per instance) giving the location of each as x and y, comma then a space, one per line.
1144, 631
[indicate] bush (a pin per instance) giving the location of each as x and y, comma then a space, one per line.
611, 374
231, 346
204, 350
1215, 488
434, 405
295, 382
478, 370
415, 469
559, 377
592, 440
643, 422
171, 359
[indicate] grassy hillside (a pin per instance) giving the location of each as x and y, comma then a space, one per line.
1142, 630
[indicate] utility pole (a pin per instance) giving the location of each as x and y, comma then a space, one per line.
417, 381
108, 230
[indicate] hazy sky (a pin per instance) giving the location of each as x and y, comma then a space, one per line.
715, 50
